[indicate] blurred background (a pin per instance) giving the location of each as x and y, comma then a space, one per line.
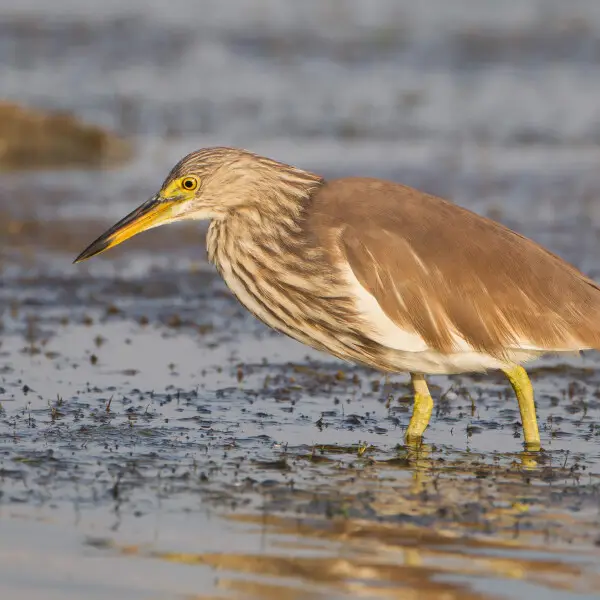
151, 430
494, 104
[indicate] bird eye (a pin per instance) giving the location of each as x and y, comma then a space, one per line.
189, 183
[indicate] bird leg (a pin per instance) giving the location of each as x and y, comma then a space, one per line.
519, 380
421, 410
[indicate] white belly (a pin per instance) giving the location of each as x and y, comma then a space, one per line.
410, 352
433, 362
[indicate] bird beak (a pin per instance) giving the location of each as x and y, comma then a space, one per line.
152, 213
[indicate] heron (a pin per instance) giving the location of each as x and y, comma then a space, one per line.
377, 273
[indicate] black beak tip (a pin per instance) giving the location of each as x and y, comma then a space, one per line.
83, 256
80, 258
94, 248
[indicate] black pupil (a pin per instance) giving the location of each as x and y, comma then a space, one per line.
188, 183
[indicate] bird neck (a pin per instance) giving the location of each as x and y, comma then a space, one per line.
279, 192
269, 224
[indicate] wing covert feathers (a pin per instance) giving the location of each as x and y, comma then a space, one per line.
453, 276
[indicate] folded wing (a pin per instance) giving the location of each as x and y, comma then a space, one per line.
459, 281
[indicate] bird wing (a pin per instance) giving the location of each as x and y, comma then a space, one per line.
458, 280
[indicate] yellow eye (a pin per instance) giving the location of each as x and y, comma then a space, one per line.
189, 184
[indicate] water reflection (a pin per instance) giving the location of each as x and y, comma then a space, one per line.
343, 558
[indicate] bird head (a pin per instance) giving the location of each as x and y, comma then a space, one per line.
211, 183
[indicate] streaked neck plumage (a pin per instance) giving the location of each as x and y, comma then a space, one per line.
270, 216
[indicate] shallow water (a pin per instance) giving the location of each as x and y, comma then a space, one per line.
157, 441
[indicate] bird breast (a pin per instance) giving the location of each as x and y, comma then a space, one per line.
284, 286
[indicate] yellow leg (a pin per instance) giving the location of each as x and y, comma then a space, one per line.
421, 410
524, 391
